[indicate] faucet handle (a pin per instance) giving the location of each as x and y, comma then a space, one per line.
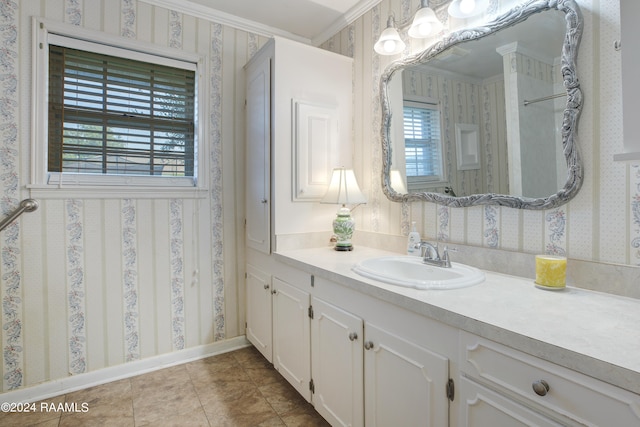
445, 256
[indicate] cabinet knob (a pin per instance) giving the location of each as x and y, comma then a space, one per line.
263, 201
353, 336
273, 292
266, 286
368, 345
540, 387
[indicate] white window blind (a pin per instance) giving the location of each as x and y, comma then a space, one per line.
118, 116
422, 141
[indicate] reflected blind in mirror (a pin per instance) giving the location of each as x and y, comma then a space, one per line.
422, 140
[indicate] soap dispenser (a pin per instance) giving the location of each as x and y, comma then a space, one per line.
413, 241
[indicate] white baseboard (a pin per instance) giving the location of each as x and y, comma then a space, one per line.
126, 370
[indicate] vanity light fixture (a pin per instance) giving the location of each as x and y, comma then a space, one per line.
424, 24
343, 190
466, 8
389, 42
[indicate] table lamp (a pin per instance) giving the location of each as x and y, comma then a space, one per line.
343, 190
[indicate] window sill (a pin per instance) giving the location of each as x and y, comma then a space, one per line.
115, 192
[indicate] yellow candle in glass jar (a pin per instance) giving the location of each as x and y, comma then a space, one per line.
551, 271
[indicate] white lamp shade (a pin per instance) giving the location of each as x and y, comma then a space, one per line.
343, 189
466, 8
425, 23
389, 42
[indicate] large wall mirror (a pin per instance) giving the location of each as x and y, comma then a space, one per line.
488, 115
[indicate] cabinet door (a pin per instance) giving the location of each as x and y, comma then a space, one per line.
258, 114
291, 336
481, 407
405, 384
336, 364
259, 311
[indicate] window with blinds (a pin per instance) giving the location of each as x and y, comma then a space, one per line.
118, 116
423, 147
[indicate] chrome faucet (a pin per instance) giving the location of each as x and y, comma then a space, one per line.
431, 255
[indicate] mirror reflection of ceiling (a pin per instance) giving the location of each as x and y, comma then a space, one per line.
542, 33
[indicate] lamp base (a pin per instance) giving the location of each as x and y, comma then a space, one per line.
343, 248
343, 226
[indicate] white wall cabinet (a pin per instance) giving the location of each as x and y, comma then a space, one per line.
298, 128
258, 154
501, 383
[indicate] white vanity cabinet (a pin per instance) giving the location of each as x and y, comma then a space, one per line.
259, 310
337, 364
405, 383
503, 386
291, 335
346, 354
374, 364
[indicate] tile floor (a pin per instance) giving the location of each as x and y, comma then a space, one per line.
238, 388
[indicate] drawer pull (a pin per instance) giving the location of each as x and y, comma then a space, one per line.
266, 286
540, 387
368, 345
353, 336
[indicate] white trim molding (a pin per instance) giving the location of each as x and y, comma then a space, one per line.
208, 13
127, 370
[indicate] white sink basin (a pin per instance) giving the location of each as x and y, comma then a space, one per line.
411, 272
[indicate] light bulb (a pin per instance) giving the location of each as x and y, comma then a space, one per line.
424, 28
389, 46
467, 6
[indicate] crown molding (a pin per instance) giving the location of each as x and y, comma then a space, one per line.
210, 14
352, 14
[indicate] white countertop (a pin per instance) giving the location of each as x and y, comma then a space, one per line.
594, 333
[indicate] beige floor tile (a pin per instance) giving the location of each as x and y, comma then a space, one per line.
263, 375
38, 413
250, 357
304, 416
196, 418
108, 404
215, 392
211, 372
282, 396
88, 419
163, 394
234, 389
164, 402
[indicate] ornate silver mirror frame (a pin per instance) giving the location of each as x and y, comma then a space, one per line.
571, 114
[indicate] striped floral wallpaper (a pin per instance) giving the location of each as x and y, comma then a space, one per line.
94, 283
601, 224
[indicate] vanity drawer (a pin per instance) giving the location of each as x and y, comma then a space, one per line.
578, 399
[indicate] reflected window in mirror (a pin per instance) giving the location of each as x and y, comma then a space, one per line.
423, 144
